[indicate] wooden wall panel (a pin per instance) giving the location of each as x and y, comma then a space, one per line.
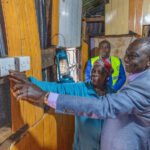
84, 55
58, 131
23, 39
53, 131
122, 16
138, 27
131, 15
146, 12
48, 134
135, 16
55, 22
14, 49
33, 140
116, 17
35, 52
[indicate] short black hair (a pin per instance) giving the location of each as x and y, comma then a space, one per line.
105, 41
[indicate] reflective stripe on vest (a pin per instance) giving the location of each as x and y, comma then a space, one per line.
93, 60
115, 62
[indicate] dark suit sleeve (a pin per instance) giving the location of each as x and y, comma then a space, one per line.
110, 106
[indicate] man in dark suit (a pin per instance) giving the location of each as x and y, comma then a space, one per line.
126, 113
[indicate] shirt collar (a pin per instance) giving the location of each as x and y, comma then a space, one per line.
134, 76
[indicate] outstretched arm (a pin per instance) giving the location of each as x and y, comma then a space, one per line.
109, 106
61, 88
130, 100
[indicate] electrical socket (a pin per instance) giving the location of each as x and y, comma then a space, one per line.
6, 64
22, 63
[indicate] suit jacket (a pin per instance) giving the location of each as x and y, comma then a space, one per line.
126, 114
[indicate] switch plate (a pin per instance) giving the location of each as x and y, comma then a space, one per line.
22, 63
6, 64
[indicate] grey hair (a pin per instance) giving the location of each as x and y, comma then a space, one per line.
145, 44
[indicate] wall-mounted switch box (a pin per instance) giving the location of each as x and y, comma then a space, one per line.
6, 64
22, 63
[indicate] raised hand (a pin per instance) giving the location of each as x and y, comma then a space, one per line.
26, 90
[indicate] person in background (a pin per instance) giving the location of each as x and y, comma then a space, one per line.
118, 77
87, 131
126, 113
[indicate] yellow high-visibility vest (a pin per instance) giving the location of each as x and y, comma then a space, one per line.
115, 63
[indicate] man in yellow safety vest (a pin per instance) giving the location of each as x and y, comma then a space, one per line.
118, 77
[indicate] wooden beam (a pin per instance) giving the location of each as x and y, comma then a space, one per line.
55, 22
5, 132
95, 19
48, 57
13, 138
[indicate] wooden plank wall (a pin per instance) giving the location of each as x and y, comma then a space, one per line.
122, 16
52, 132
55, 22
23, 39
116, 17
135, 16
46, 139
84, 55
146, 12
47, 131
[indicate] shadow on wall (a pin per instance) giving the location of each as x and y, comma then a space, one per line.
5, 104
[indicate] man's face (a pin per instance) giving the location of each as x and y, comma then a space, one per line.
136, 58
104, 50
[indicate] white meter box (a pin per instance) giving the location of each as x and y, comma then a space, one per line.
6, 64
22, 63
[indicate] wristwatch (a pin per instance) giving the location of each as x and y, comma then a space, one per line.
46, 97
